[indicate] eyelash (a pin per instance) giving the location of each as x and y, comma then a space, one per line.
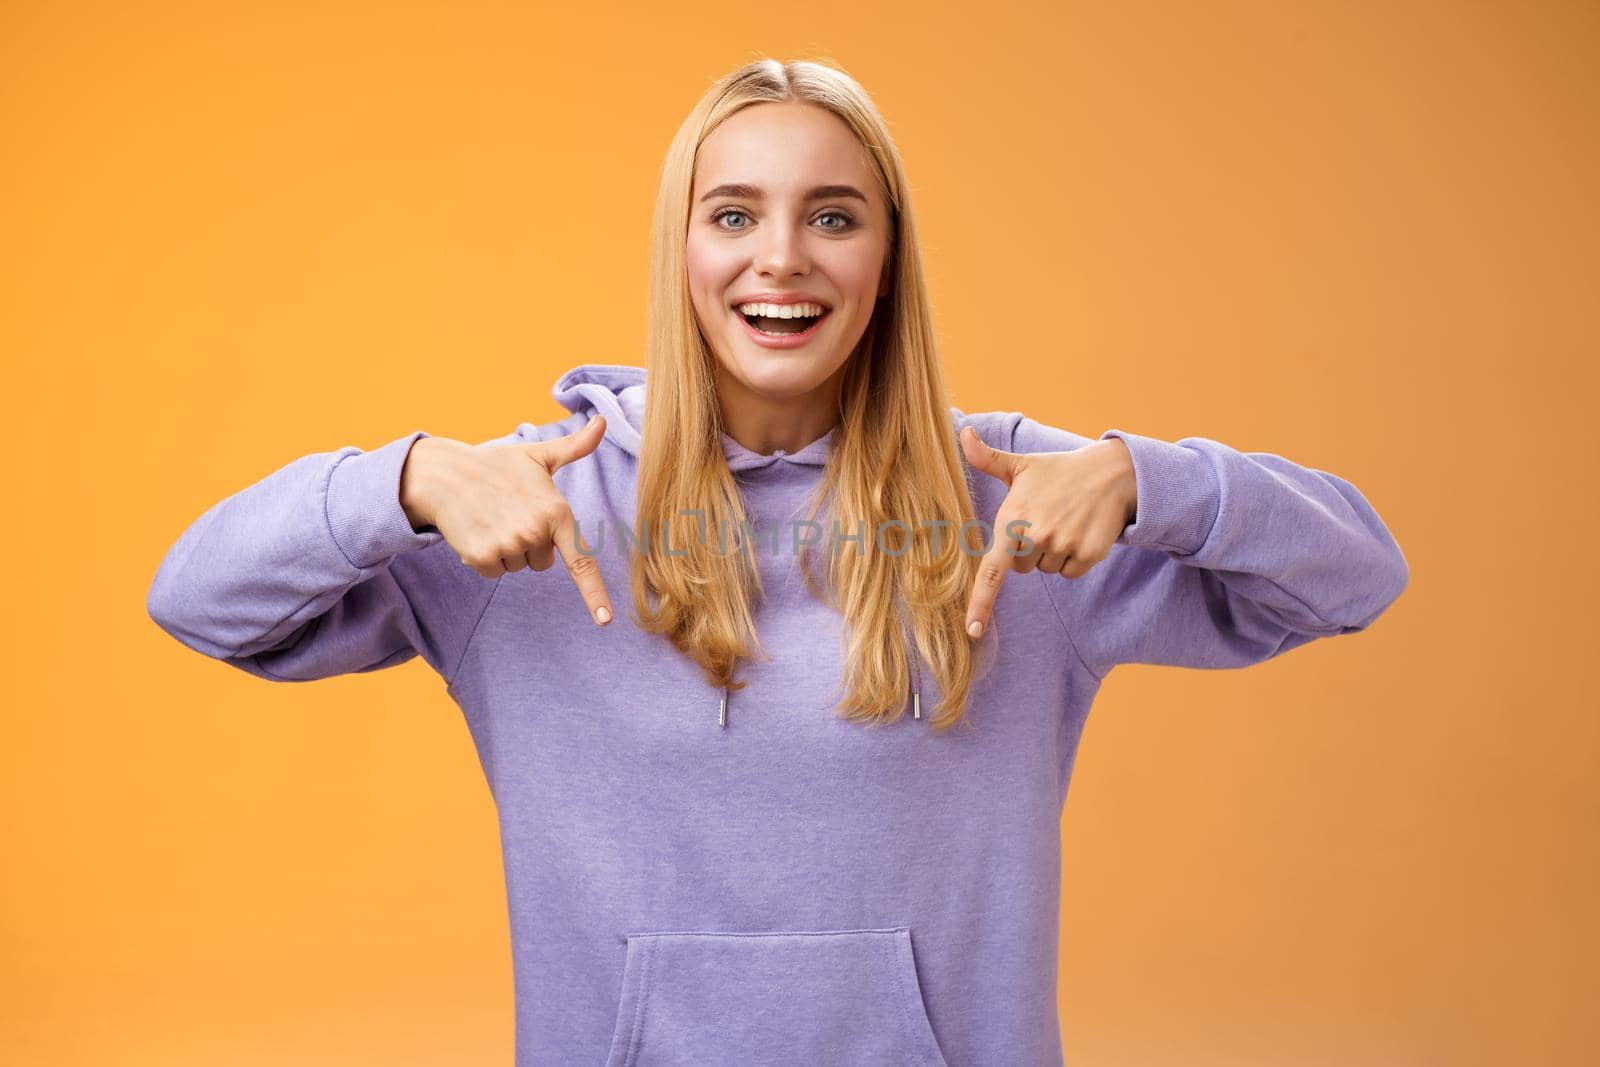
849, 222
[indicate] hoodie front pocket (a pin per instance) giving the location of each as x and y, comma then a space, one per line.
841, 997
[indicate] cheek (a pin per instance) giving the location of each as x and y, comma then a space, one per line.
710, 270
856, 270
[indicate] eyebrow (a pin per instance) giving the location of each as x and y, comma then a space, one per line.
741, 191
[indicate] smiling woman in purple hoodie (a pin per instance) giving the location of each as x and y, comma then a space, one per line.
826, 875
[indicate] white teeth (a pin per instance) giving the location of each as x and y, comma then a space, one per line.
782, 311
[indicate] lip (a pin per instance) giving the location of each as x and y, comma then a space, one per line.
772, 296
788, 340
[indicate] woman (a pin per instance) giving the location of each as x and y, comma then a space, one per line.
797, 865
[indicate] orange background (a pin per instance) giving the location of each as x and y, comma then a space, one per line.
1360, 236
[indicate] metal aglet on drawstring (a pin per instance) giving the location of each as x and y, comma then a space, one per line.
916, 688
722, 712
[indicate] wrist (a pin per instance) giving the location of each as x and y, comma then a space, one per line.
1127, 479
413, 482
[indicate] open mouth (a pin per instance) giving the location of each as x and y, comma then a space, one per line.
793, 330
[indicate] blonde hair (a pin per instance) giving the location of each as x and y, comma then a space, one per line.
894, 455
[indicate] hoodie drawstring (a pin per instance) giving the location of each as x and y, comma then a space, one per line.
916, 696
916, 691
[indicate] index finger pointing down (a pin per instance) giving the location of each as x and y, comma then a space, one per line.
992, 571
584, 567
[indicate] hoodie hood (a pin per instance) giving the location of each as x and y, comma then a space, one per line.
617, 391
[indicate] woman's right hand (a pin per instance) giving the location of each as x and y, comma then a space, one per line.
498, 507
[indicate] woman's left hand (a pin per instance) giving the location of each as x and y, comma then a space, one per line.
1072, 507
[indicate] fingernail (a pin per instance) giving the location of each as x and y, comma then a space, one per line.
603, 614
975, 627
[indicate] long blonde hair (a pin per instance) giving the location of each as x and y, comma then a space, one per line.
894, 456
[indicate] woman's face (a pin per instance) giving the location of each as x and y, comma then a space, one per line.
784, 205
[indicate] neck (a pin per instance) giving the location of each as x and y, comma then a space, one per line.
766, 425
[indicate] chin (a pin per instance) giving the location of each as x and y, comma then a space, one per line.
779, 373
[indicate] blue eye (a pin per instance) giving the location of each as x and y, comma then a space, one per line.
846, 222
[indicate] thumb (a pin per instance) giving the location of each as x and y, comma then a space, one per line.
575, 445
991, 461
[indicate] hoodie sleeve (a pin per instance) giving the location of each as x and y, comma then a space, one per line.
1233, 558
315, 571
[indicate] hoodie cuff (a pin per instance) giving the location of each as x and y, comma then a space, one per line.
363, 505
1179, 495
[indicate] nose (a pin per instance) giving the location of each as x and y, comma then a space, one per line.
782, 252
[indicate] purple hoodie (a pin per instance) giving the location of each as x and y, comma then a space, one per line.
699, 877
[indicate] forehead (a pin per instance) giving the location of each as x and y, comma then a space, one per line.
784, 148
